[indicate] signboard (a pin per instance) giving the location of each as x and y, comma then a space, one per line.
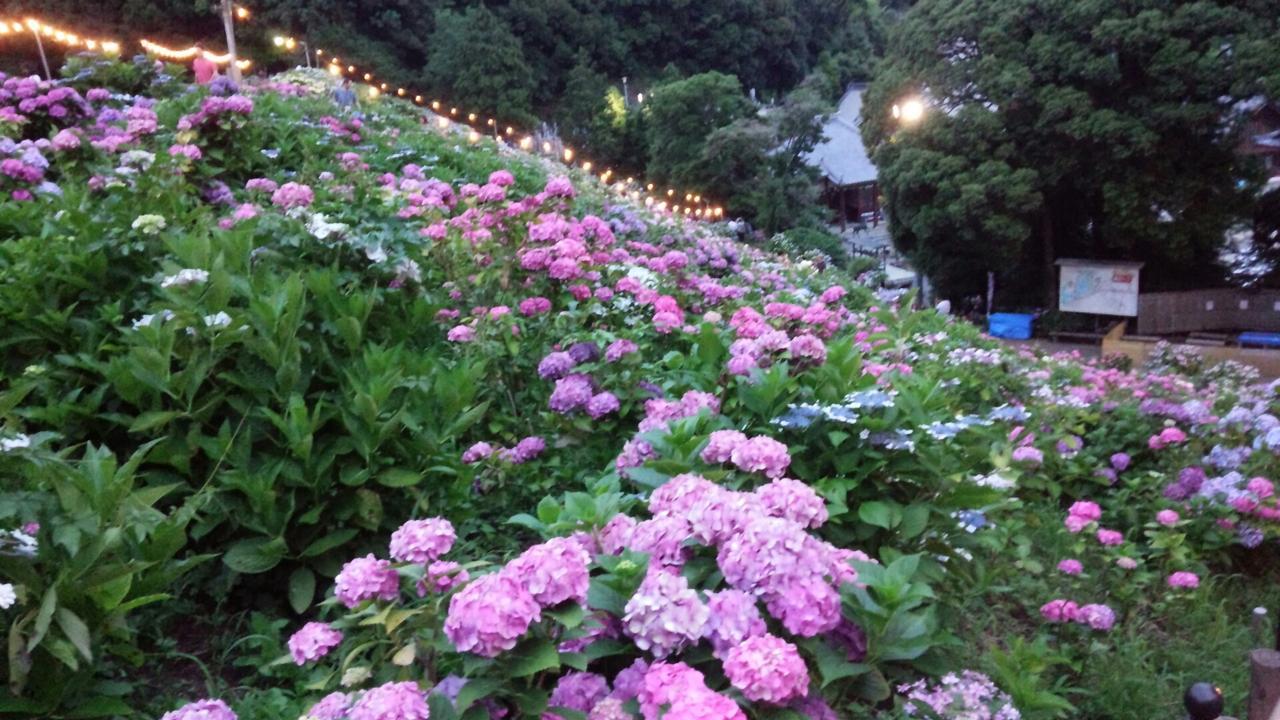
1098, 288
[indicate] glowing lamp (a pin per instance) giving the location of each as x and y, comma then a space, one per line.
568, 155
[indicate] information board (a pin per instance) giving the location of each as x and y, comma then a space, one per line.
1098, 288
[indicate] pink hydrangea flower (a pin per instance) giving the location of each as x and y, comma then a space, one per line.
1184, 579
534, 306
553, 572
1060, 610
1070, 566
601, 404
392, 701
807, 607
489, 616
292, 195
721, 444
767, 669
762, 454
1126, 563
201, 710
1110, 537
579, 691
313, 641
331, 707
1098, 617
664, 614
683, 693
422, 541
366, 578
619, 349
793, 500
1028, 454
1168, 518
477, 452
733, 618
461, 334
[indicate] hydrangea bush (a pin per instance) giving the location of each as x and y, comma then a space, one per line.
348, 348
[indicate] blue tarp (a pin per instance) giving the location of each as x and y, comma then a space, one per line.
1264, 339
1011, 326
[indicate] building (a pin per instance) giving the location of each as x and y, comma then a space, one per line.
848, 176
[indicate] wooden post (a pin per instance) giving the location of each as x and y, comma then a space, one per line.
1264, 683
228, 24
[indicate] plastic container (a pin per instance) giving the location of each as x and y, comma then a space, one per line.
1010, 326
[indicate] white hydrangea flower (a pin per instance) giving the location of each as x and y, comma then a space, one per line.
14, 443
151, 319
185, 277
149, 224
7, 596
217, 320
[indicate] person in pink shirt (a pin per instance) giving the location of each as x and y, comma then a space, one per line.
204, 68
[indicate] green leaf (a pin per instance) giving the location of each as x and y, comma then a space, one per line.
76, 631
44, 617
880, 514
329, 542
475, 690
302, 589
915, 518
834, 664
153, 419
533, 656
570, 616
600, 596
101, 707
398, 477
256, 555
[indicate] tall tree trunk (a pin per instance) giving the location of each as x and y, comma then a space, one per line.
228, 24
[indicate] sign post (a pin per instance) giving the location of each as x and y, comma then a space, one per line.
1098, 287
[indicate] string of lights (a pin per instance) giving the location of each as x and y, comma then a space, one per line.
188, 53
58, 35
672, 200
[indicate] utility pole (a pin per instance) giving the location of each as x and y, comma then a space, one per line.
228, 24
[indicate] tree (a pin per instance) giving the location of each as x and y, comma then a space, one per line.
582, 104
477, 60
1063, 128
757, 164
682, 114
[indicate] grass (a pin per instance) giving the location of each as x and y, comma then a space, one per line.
1162, 642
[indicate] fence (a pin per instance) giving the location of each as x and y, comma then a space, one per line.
1169, 313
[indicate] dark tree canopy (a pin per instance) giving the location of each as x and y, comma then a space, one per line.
475, 55
1066, 128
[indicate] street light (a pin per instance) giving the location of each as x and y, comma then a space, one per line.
909, 111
